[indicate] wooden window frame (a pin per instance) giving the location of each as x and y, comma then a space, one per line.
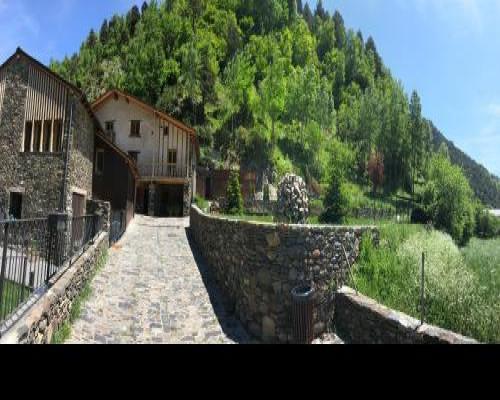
132, 130
98, 171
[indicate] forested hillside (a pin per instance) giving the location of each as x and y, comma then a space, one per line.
485, 185
270, 84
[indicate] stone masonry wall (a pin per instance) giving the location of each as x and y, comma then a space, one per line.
361, 320
52, 309
80, 166
257, 266
37, 176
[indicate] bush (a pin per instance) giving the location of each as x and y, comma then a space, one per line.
487, 225
448, 199
336, 203
234, 199
419, 216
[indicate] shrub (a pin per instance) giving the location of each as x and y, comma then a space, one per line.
448, 199
234, 199
487, 225
336, 203
201, 203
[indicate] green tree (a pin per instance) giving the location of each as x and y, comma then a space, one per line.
234, 199
449, 200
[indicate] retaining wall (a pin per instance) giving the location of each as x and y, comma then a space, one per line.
361, 320
257, 265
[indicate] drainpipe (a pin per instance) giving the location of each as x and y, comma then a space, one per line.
62, 205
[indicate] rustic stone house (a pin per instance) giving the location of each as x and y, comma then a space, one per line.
54, 155
46, 141
165, 151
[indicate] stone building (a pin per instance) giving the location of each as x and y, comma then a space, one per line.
164, 149
55, 156
47, 132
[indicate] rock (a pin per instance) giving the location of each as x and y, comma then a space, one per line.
268, 329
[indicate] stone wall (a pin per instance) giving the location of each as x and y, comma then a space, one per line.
361, 320
257, 266
39, 323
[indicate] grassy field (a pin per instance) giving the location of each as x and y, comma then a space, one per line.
462, 285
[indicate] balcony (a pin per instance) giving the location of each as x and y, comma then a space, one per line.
164, 171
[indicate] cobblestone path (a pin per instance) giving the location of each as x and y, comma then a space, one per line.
153, 290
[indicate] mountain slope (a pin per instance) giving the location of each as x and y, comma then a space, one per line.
486, 186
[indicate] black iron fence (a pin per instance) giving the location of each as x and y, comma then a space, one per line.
118, 225
33, 251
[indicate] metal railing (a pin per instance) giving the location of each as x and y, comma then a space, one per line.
164, 170
33, 251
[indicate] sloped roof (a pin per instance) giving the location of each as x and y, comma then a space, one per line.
115, 92
78, 92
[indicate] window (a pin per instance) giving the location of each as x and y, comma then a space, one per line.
58, 134
135, 128
165, 131
172, 162
110, 127
47, 132
172, 157
15, 205
134, 155
37, 136
99, 161
28, 130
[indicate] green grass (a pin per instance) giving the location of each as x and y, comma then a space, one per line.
461, 284
12, 290
64, 331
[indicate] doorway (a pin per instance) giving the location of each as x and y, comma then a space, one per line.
16, 205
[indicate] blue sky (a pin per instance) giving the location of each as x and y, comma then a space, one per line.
448, 50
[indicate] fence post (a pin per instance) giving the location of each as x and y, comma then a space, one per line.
4, 261
57, 225
422, 291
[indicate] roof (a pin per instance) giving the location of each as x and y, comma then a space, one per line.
115, 92
78, 92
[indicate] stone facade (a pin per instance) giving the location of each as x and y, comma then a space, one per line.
187, 198
361, 320
257, 266
102, 208
39, 176
53, 308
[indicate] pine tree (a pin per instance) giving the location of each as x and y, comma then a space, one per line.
144, 7
133, 18
336, 202
103, 34
92, 39
308, 16
234, 199
320, 11
340, 33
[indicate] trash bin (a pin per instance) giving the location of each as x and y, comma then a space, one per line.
302, 314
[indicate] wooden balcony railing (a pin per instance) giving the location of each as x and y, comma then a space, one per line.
164, 171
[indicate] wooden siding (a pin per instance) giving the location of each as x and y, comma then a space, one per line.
45, 101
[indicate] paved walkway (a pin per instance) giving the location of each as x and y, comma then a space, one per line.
153, 290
